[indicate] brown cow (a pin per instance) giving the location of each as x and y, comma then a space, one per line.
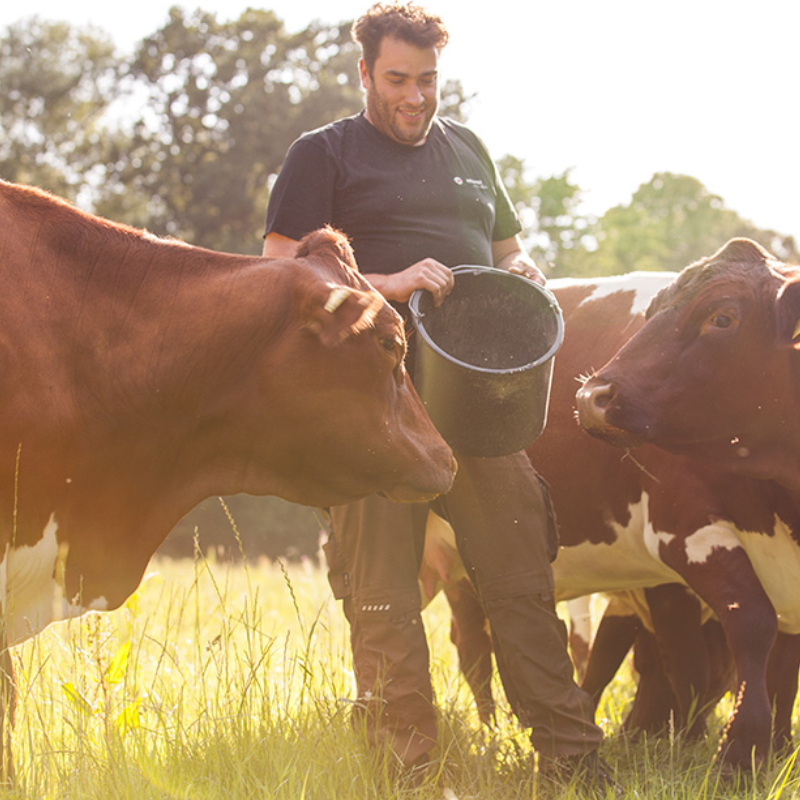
600, 314
643, 520
141, 376
715, 374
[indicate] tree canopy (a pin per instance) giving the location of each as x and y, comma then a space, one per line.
58, 82
219, 104
556, 230
185, 137
671, 221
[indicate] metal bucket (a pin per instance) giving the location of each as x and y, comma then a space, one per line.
484, 359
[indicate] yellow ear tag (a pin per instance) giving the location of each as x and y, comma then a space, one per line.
796, 330
338, 295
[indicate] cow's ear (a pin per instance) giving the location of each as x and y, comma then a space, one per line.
327, 240
742, 250
788, 314
333, 312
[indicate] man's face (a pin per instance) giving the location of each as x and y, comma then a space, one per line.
402, 91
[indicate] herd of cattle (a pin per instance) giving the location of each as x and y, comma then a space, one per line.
143, 375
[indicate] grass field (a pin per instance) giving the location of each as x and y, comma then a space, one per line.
233, 681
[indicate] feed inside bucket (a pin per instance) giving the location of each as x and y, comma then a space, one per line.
484, 359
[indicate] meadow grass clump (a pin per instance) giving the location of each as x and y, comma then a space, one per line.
234, 681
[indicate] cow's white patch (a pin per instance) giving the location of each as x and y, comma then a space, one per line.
631, 561
776, 560
32, 587
580, 615
643, 284
654, 539
703, 541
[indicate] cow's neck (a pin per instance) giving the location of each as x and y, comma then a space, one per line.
781, 464
794, 494
174, 343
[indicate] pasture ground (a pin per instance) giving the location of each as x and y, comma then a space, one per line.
234, 681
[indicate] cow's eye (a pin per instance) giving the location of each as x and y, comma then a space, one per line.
389, 343
720, 321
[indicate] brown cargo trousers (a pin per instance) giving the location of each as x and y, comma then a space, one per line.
505, 533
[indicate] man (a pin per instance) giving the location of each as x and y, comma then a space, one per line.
417, 195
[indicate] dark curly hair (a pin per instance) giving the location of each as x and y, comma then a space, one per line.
406, 21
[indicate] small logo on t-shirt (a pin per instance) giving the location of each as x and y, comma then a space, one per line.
476, 182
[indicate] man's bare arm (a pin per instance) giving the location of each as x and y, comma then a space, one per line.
278, 246
510, 255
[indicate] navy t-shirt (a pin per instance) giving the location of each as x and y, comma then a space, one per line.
398, 203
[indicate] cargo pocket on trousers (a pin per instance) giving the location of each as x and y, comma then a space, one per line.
391, 651
390, 624
338, 575
552, 524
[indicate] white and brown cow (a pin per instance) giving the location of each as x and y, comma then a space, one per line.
140, 376
714, 376
648, 520
599, 316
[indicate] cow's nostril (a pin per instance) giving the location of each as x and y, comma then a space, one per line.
594, 399
603, 395
598, 395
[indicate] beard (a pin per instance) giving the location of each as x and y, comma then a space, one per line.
392, 122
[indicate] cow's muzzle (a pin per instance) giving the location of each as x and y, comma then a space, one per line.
596, 399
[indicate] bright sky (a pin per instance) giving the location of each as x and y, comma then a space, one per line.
617, 90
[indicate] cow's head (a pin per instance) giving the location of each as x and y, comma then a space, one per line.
715, 371
341, 364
